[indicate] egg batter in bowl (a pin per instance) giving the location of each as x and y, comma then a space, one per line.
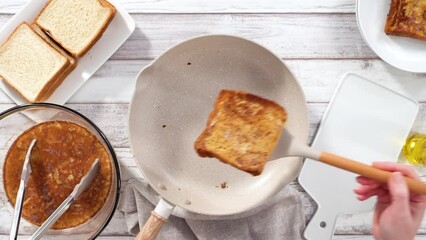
63, 154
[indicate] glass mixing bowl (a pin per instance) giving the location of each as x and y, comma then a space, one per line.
14, 122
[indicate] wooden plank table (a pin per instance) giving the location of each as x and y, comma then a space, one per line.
318, 39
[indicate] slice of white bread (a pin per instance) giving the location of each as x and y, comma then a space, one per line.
72, 60
29, 64
76, 25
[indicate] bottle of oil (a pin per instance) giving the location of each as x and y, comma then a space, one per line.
415, 149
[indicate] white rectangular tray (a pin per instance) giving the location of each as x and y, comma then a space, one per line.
365, 122
120, 28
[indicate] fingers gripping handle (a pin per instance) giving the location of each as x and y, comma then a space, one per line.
368, 171
156, 221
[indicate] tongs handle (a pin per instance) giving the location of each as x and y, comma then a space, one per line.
53, 218
26, 171
78, 189
18, 211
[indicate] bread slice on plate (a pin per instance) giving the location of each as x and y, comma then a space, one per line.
67, 71
29, 64
242, 130
76, 25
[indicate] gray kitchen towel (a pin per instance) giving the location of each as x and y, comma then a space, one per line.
281, 217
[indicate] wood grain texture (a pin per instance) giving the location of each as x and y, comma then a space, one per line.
318, 39
368, 171
288, 35
152, 227
112, 120
219, 6
318, 78
116, 130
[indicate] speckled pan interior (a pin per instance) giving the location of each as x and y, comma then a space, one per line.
172, 100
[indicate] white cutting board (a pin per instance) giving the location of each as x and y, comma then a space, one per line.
365, 122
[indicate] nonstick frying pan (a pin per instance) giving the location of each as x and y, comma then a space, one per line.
172, 100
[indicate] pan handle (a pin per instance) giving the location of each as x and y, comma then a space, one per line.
368, 171
156, 221
152, 227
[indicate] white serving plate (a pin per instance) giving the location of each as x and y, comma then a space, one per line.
365, 122
120, 28
401, 52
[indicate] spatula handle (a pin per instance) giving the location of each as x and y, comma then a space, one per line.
152, 227
368, 171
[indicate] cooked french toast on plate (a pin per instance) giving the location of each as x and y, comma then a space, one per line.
407, 18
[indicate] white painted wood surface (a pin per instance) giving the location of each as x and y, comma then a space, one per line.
318, 39
219, 6
300, 36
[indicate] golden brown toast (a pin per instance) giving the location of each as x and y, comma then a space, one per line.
242, 130
407, 18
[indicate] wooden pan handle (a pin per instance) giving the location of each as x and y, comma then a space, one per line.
152, 227
368, 171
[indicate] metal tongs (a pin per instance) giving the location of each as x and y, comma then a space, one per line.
78, 190
26, 171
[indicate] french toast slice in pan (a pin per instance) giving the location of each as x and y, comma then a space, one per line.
242, 130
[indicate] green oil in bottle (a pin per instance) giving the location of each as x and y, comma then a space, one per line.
415, 149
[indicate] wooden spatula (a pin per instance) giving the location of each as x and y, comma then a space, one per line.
295, 148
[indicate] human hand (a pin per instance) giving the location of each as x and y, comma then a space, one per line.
398, 213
